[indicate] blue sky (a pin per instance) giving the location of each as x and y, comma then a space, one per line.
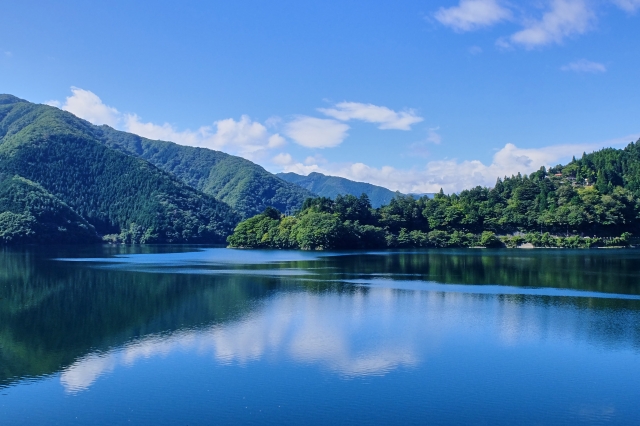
412, 95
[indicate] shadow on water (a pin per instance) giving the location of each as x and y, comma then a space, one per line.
54, 312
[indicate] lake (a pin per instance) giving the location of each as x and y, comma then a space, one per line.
185, 335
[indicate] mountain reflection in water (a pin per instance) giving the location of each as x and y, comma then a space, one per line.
350, 315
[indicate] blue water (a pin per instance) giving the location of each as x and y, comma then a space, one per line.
217, 336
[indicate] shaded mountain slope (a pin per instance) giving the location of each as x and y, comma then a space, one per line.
332, 186
28, 213
114, 192
245, 186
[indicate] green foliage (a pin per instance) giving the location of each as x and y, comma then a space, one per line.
591, 202
28, 213
83, 179
243, 185
122, 196
318, 230
489, 239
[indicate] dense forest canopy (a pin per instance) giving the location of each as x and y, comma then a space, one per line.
591, 201
28, 213
245, 186
117, 194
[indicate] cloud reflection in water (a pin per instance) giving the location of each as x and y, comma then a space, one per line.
365, 332
352, 334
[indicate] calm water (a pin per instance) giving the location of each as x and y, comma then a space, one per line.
191, 336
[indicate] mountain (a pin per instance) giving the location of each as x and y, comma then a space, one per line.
332, 186
29, 213
116, 193
245, 186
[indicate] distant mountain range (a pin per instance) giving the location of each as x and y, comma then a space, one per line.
63, 179
121, 185
332, 186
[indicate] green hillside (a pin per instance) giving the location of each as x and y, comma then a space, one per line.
593, 201
28, 213
243, 185
116, 193
332, 186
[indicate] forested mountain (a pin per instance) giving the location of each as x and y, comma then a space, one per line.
116, 193
332, 186
245, 186
592, 201
28, 213
63, 179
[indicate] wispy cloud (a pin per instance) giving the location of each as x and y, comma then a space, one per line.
433, 136
559, 20
565, 18
314, 132
628, 5
453, 175
583, 65
471, 15
243, 137
386, 118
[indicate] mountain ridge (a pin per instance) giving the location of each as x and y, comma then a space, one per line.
242, 184
116, 193
332, 186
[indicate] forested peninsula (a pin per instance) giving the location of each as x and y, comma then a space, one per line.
590, 202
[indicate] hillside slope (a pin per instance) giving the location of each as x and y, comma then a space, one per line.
332, 186
116, 193
245, 186
28, 213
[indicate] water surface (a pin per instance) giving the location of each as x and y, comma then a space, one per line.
189, 335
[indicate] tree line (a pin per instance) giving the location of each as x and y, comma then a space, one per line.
592, 201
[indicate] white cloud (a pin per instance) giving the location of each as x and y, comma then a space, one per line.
243, 137
584, 66
561, 19
166, 132
564, 19
87, 105
315, 159
314, 132
8, 54
282, 159
247, 138
433, 136
470, 15
385, 117
454, 175
276, 141
628, 5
